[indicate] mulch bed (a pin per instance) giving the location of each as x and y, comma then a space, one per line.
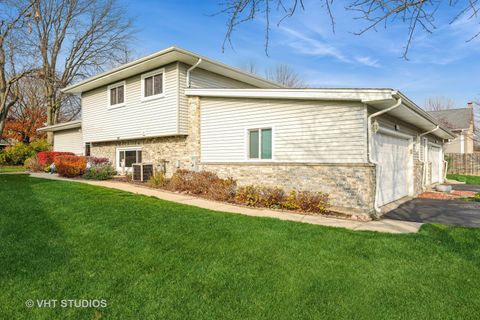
455, 194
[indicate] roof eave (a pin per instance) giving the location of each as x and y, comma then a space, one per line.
136, 65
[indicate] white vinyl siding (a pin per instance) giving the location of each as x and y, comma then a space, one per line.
68, 141
200, 78
137, 118
303, 131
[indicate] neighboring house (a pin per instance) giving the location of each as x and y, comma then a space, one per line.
177, 109
461, 122
4, 143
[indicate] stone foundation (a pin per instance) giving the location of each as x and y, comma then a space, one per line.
351, 187
173, 150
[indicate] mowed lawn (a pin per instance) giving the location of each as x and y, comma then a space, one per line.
152, 259
464, 178
12, 169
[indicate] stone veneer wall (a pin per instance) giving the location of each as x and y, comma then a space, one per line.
417, 177
179, 152
350, 186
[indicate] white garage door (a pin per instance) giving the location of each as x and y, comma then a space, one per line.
434, 154
395, 174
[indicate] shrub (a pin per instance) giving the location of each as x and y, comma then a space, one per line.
271, 197
179, 181
32, 164
102, 171
39, 145
96, 161
248, 195
46, 158
306, 201
17, 154
203, 183
222, 190
199, 182
70, 166
158, 181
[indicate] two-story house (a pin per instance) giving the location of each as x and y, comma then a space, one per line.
176, 109
461, 122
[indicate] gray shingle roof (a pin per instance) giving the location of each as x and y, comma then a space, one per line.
454, 118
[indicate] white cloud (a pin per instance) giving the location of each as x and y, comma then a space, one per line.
309, 46
368, 61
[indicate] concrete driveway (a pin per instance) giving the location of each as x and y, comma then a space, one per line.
455, 212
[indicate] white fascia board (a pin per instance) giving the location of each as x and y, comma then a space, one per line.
62, 126
360, 95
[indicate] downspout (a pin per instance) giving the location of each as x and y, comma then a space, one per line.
370, 158
190, 69
424, 163
445, 162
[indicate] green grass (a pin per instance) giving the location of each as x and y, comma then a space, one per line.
152, 259
463, 178
12, 169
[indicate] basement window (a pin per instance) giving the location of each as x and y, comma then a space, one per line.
128, 157
260, 143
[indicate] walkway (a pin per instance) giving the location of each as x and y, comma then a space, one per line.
384, 225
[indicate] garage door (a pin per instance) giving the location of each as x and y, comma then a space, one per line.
434, 154
394, 169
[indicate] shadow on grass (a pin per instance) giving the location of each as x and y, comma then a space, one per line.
31, 243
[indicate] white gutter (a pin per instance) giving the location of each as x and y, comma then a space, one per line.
370, 158
190, 69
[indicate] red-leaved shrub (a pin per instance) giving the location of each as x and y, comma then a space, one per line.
70, 166
46, 158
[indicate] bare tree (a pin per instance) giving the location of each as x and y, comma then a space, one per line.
439, 103
250, 66
13, 18
74, 40
416, 15
285, 75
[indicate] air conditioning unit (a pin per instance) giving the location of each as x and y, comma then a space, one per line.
142, 171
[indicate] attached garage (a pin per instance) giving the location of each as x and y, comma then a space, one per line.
67, 137
393, 152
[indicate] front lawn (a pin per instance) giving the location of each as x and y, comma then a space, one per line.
463, 178
153, 259
12, 169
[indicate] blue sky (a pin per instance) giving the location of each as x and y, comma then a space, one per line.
441, 64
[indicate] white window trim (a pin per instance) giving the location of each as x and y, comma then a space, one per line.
150, 74
116, 85
117, 156
247, 144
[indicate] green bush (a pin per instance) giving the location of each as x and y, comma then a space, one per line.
18, 153
158, 181
104, 171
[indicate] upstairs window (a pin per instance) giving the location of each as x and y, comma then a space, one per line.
153, 84
260, 143
116, 94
